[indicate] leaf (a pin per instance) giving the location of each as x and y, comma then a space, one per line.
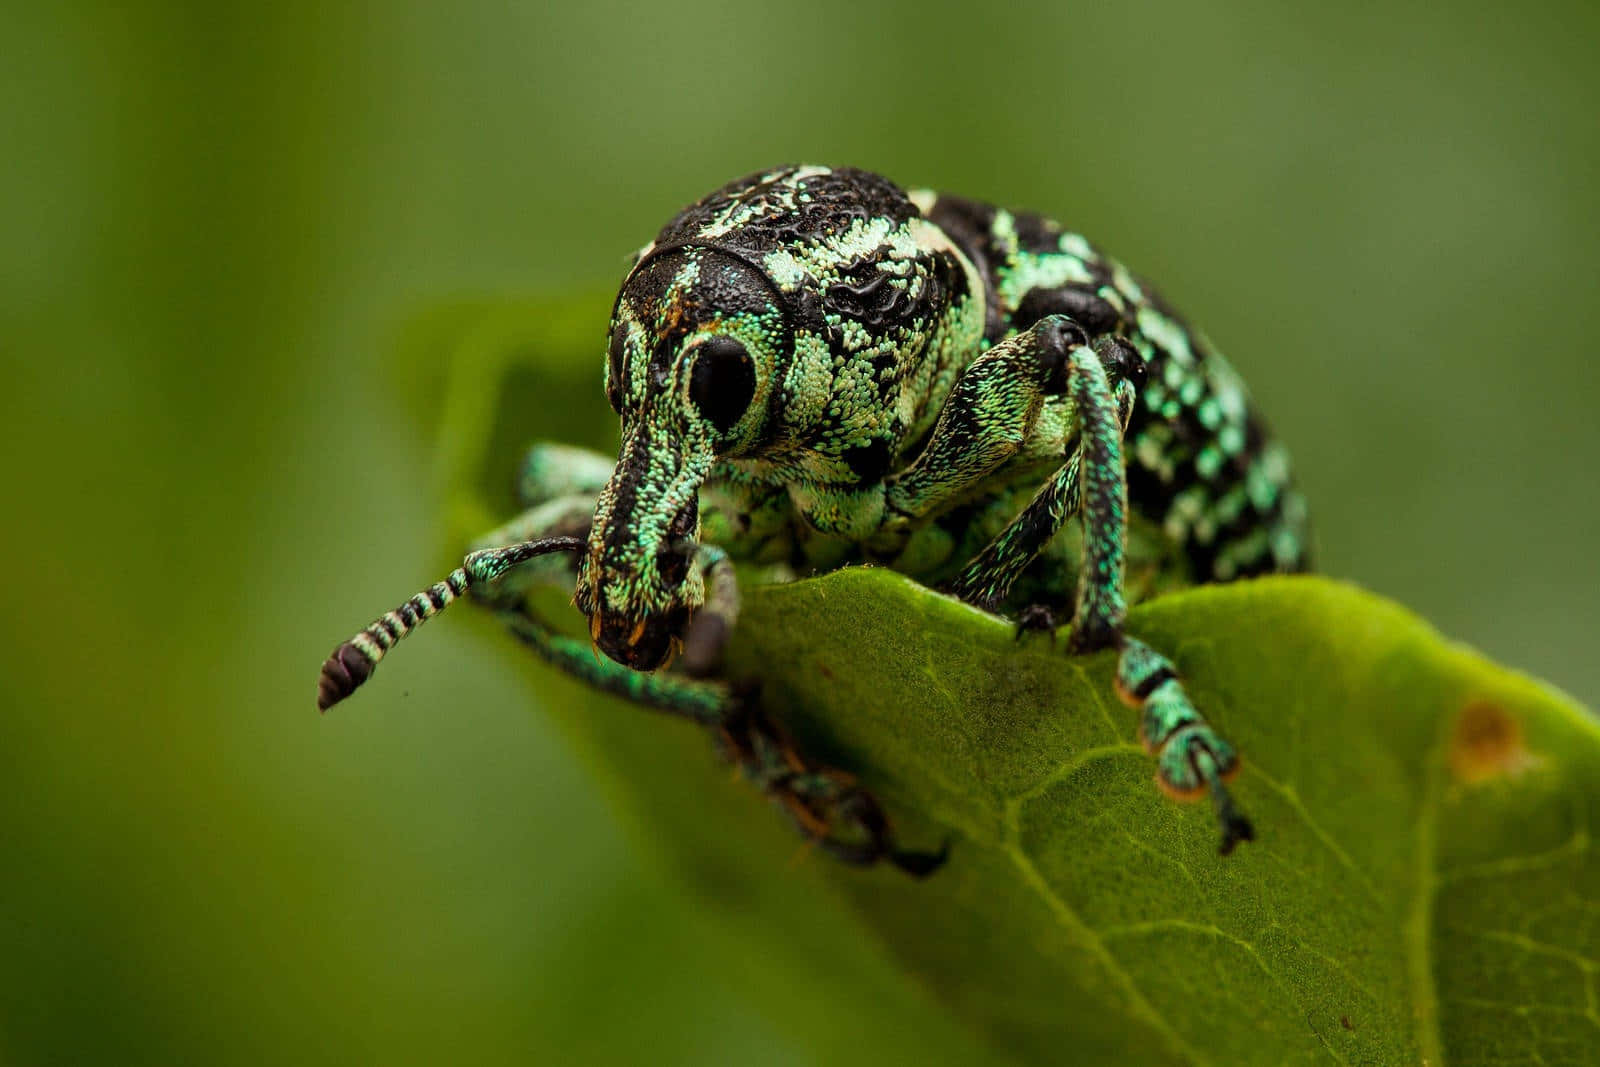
1423, 882
1424, 887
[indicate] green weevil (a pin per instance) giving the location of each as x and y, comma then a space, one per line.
814, 368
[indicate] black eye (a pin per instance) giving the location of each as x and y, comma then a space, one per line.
614, 353
722, 381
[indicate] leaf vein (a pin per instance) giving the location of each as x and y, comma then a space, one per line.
1155, 926
1064, 770
1575, 846
1292, 798
1085, 938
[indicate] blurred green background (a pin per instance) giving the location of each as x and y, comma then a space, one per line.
217, 223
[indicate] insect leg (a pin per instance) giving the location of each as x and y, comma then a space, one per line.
825, 805
551, 470
1192, 758
987, 418
713, 621
704, 701
986, 580
989, 576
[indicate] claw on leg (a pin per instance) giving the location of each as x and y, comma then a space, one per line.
826, 805
1037, 618
920, 864
1192, 759
1236, 826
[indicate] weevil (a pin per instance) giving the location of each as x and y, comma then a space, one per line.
814, 368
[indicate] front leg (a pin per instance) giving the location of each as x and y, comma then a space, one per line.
989, 576
986, 420
1192, 758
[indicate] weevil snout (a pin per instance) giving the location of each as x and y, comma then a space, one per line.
639, 591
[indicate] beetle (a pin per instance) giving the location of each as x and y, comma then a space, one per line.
815, 368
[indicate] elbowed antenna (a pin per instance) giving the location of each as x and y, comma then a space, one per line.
353, 662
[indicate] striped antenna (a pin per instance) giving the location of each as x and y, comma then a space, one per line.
353, 662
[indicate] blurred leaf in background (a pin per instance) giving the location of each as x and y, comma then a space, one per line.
217, 220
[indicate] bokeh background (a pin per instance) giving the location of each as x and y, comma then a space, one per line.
218, 221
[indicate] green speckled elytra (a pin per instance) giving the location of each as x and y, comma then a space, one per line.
813, 369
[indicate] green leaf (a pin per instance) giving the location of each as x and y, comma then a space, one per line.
1423, 888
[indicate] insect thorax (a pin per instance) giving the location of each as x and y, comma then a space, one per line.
887, 296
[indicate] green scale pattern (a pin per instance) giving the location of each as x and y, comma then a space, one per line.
1203, 468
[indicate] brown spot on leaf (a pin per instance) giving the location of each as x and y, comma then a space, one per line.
1344, 1021
1488, 744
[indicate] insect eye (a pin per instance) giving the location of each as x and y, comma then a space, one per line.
722, 381
614, 353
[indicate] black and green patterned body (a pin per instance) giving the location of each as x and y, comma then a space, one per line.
890, 296
1205, 475
814, 368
